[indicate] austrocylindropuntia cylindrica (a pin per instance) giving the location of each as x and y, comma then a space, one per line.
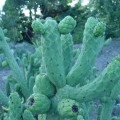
61, 91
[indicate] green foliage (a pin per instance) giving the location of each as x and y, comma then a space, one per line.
108, 11
10, 18
21, 25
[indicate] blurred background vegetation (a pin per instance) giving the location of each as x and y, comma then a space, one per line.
17, 24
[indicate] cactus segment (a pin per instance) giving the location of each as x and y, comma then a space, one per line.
52, 54
100, 87
67, 46
80, 73
15, 107
13, 64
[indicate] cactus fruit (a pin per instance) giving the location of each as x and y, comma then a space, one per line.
44, 86
68, 108
99, 29
38, 103
66, 25
38, 27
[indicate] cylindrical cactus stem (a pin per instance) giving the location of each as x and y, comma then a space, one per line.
67, 46
91, 47
31, 83
52, 54
99, 112
42, 67
107, 107
115, 91
101, 86
3, 98
7, 86
27, 115
13, 64
15, 107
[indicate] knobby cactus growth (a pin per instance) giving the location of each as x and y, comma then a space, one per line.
64, 90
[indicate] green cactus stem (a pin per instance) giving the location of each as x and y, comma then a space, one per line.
107, 108
3, 98
27, 115
101, 86
115, 91
67, 46
7, 86
92, 45
52, 54
13, 64
15, 107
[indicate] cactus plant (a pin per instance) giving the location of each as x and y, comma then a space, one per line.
63, 91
